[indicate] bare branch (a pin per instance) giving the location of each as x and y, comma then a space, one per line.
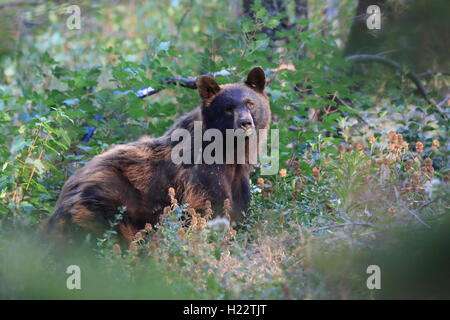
432, 73
395, 65
333, 226
190, 83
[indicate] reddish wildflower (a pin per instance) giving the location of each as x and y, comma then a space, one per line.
148, 227
227, 204
316, 173
208, 213
367, 164
372, 140
138, 236
283, 173
191, 212
419, 147
392, 136
260, 183
409, 164
447, 177
435, 145
181, 233
416, 178
391, 147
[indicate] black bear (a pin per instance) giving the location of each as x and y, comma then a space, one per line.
137, 175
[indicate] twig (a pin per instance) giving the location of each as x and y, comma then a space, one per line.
411, 75
415, 215
180, 23
393, 64
432, 73
426, 204
363, 224
190, 83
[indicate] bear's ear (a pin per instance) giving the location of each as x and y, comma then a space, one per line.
256, 79
207, 87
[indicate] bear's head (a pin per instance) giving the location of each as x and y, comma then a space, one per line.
235, 106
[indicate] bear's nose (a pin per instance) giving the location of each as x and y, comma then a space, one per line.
245, 124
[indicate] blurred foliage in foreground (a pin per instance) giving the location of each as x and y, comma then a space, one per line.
352, 190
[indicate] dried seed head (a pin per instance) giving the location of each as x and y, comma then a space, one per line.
316, 173
409, 164
260, 183
293, 163
191, 212
227, 204
428, 162
391, 147
359, 146
181, 233
436, 143
392, 136
148, 227
435, 146
393, 139
208, 213
368, 163
416, 178
419, 147
134, 248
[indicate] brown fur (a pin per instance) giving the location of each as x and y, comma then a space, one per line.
137, 175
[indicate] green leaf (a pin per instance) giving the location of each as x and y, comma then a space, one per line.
19, 144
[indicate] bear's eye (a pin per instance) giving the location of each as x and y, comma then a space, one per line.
229, 109
250, 104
